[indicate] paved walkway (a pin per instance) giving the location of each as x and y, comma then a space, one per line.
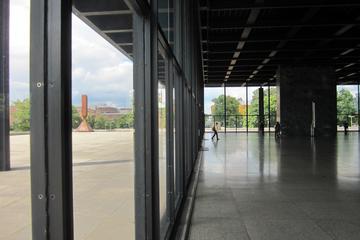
253, 187
103, 188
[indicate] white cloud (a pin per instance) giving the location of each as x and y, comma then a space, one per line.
99, 70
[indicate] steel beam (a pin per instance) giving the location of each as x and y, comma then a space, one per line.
281, 50
227, 40
236, 6
231, 26
50, 88
103, 13
4, 86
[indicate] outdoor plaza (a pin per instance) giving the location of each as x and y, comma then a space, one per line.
101, 167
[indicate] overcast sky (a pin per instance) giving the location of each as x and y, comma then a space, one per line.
99, 70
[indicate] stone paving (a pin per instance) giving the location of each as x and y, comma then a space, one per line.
103, 187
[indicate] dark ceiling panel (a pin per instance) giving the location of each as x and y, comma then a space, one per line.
97, 6
248, 41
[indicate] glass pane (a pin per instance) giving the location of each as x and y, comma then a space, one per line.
214, 108
270, 119
103, 143
175, 121
162, 124
347, 107
235, 108
15, 195
253, 108
166, 19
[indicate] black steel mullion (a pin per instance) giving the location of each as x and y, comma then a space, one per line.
59, 119
178, 130
225, 113
37, 121
170, 143
153, 86
4, 86
144, 144
269, 114
140, 7
247, 108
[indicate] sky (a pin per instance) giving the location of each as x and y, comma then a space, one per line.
98, 69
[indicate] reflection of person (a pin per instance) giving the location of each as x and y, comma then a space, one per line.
346, 126
277, 130
261, 127
214, 128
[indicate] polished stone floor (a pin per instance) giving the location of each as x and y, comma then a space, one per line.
253, 187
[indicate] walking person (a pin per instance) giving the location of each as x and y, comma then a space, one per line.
277, 130
346, 126
214, 128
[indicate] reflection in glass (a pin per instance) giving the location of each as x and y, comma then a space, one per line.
166, 19
175, 79
162, 125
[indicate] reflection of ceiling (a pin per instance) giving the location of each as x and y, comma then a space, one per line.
112, 19
247, 40
161, 68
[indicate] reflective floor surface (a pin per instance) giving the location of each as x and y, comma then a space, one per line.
254, 187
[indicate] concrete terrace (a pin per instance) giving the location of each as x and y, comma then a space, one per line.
103, 175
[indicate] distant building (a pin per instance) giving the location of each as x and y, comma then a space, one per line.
107, 111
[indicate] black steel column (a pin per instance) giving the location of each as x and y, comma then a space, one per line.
358, 96
4, 86
225, 115
269, 114
261, 109
247, 110
50, 90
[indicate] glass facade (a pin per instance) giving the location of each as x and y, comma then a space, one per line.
348, 107
242, 108
162, 125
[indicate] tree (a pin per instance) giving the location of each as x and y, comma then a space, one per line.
125, 121
253, 108
76, 119
232, 109
100, 122
22, 115
345, 106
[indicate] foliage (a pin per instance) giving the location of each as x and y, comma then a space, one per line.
100, 122
125, 121
22, 115
345, 106
253, 108
232, 109
76, 119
